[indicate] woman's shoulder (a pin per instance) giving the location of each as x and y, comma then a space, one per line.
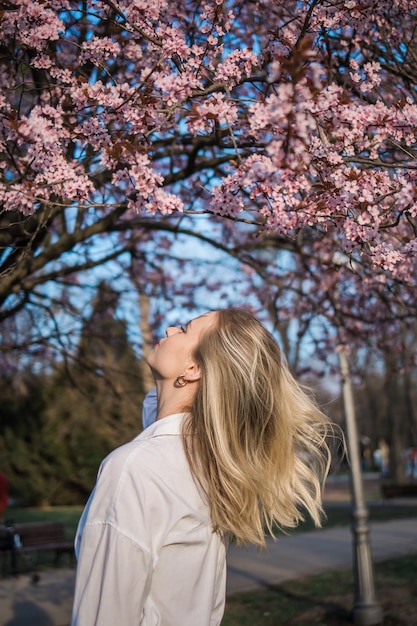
134, 453
152, 451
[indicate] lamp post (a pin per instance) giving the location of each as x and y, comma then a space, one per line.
366, 610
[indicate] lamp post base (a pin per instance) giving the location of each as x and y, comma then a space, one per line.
367, 615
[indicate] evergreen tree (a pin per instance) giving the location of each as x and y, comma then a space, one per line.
96, 400
56, 429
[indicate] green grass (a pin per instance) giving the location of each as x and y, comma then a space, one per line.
340, 515
327, 599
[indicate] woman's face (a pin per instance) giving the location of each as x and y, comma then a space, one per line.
174, 353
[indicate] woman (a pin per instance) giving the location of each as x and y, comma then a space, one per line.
237, 448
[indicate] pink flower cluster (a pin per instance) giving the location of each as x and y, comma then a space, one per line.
298, 117
34, 23
98, 50
214, 109
142, 187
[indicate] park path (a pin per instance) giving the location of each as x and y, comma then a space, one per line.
305, 554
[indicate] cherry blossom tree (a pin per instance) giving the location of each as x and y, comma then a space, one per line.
290, 125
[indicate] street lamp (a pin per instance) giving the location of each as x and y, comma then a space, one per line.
366, 610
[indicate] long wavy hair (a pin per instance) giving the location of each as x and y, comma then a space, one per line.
255, 441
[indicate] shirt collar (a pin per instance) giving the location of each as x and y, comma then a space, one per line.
169, 425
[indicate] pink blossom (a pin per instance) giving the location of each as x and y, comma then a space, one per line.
234, 66
164, 203
98, 50
138, 10
214, 109
277, 113
35, 23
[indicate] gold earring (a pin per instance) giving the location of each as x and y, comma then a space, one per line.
180, 381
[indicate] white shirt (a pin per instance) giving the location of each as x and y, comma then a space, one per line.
146, 551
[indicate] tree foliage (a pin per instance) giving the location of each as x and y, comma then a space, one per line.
57, 427
292, 125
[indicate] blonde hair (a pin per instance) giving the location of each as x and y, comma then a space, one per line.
255, 441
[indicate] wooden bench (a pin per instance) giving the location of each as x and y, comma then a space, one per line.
398, 490
32, 537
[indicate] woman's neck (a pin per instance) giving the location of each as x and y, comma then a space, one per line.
172, 399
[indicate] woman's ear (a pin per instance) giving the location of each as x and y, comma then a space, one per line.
192, 372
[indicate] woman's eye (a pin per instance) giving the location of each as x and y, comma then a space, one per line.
183, 329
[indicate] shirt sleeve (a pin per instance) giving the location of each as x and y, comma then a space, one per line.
114, 546
114, 576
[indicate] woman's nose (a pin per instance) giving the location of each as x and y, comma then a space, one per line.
172, 330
